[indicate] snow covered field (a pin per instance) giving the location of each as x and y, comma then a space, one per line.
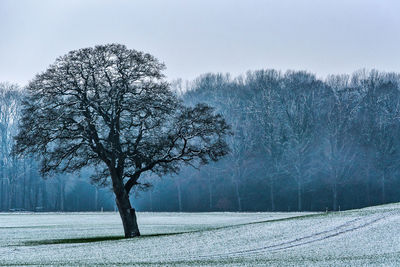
368, 236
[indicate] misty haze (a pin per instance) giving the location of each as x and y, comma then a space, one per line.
199, 133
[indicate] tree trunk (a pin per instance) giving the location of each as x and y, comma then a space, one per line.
10, 187
178, 186
1, 188
36, 196
151, 201
271, 194
210, 194
210, 197
127, 213
44, 195
128, 217
299, 197
7, 195
2, 170
24, 185
62, 195
238, 195
383, 187
368, 189
96, 199
13, 198
77, 206
334, 192
368, 185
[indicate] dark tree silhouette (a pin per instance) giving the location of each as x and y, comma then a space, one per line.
109, 107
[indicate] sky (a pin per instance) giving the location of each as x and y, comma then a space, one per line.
193, 37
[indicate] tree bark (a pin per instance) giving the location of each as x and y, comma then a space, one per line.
127, 213
128, 217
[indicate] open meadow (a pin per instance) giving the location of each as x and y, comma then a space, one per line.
367, 236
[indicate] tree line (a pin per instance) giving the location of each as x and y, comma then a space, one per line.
22, 187
298, 143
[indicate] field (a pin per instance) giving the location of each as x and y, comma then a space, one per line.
369, 236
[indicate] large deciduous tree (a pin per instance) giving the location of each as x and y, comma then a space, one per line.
110, 107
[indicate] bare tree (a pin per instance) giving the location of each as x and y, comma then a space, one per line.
9, 112
267, 114
338, 155
386, 130
378, 124
109, 107
299, 98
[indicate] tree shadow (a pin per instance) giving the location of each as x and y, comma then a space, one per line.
90, 239
72, 240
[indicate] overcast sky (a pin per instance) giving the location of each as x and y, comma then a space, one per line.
194, 37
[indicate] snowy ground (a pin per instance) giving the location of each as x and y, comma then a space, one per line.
368, 236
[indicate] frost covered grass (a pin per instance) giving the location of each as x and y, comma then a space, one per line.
367, 236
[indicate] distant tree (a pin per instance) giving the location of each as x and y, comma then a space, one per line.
10, 96
379, 113
299, 99
271, 136
217, 90
339, 151
109, 107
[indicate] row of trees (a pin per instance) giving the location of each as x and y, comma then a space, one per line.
21, 185
299, 143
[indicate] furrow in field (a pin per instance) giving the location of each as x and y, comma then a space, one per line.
349, 226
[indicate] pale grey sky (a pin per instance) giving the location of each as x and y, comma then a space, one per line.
194, 37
